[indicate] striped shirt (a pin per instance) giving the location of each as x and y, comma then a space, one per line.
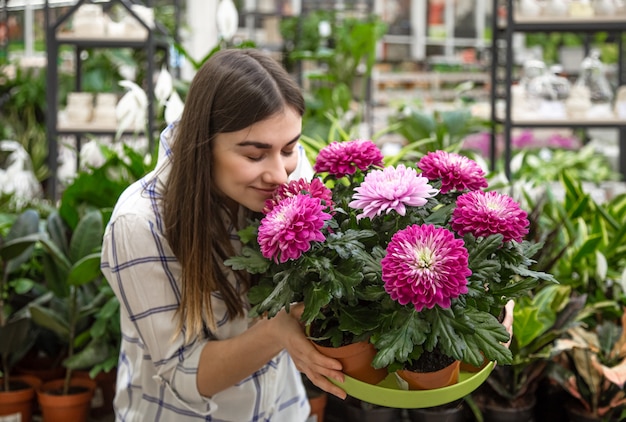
156, 379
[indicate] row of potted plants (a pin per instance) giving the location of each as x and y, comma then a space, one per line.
55, 306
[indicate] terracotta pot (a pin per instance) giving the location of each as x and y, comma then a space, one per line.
468, 367
431, 380
102, 402
318, 406
74, 407
356, 360
20, 401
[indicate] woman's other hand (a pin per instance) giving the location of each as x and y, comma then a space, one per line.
317, 367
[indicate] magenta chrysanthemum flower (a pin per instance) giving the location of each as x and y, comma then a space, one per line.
314, 188
342, 158
288, 230
456, 171
426, 266
486, 213
392, 188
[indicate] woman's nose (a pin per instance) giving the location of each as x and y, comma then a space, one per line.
276, 173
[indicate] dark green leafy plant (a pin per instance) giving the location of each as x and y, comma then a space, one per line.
538, 321
72, 267
16, 248
592, 368
343, 70
585, 243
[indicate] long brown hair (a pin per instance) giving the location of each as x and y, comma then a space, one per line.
231, 91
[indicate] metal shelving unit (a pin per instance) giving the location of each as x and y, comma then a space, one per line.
54, 40
502, 74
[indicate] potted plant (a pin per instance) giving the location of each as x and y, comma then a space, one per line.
72, 265
538, 321
592, 371
16, 247
332, 251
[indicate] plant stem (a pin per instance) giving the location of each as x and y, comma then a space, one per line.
5, 372
73, 317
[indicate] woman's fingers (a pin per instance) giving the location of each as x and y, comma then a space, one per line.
508, 319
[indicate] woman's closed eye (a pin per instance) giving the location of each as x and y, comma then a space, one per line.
257, 158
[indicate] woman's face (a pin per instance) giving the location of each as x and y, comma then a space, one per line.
248, 165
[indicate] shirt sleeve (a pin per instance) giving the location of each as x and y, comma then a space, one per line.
144, 274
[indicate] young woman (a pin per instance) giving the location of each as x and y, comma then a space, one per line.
189, 352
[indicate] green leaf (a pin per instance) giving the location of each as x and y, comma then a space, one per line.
87, 237
315, 299
85, 270
398, 342
50, 319
488, 338
250, 260
14, 335
588, 247
527, 326
56, 276
57, 231
97, 351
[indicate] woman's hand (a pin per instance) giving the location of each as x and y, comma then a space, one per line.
317, 367
508, 320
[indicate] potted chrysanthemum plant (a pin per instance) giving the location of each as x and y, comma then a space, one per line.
450, 266
413, 259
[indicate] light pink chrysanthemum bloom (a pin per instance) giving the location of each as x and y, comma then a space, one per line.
426, 266
392, 188
288, 230
456, 171
486, 213
342, 158
314, 188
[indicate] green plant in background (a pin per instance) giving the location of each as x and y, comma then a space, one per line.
18, 236
22, 115
538, 321
585, 243
71, 262
342, 72
592, 368
424, 131
546, 165
99, 187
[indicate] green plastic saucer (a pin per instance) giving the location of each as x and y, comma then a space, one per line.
389, 393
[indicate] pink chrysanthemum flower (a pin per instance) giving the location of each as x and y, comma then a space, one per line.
392, 188
288, 230
486, 213
314, 188
426, 266
456, 171
342, 158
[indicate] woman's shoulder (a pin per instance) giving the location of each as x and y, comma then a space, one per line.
139, 203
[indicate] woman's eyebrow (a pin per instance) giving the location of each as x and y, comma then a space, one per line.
264, 145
